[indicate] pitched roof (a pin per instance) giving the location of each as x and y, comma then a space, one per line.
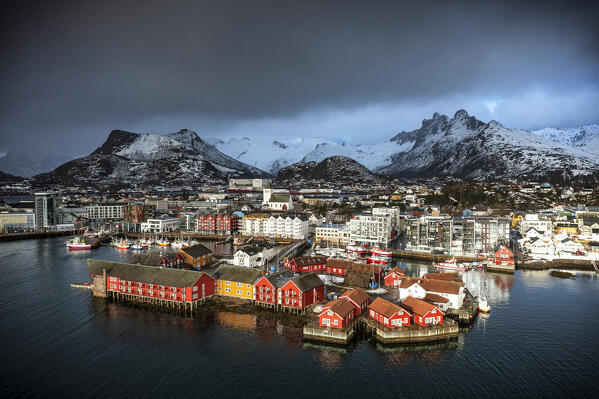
279, 279
239, 274
359, 274
417, 306
447, 287
442, 276
398, 270
307, 281
152, 258
342, 308
357, 295
309, 260
384, 307
407, 282
145, 274
279, 197
430, 297
195, 251
339, 263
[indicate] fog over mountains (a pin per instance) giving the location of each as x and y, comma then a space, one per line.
459, 146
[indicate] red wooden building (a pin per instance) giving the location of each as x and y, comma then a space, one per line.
176, 285
336, 314
389, 314
358, 298
425, 313
306, 264
392, 279
337, 267
169, 259
504, 256
300, 292
267, 287
218, 224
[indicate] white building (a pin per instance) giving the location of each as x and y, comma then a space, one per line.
105, 211
248, 184
160, 225
542, 224
246, 257
333, 233
566, 247
277, 200
287, 226
393, 212
370, 229
254, 224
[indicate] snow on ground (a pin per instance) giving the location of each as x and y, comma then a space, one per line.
331, 280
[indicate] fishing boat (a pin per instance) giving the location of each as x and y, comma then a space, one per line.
377, 259
450, 264
123, 244
78, 243
137, 246
483, 305
385, 253
375, 251
355, 249
163, 242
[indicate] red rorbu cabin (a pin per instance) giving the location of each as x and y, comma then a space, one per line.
389, 314
358, 298
336, 314
393, 278
504, 256
306, 264
301, 291
425, 313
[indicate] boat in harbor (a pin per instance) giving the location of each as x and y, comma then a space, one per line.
137, 246
451, 264
356, 249
123, 244
483, 305
163, 242
377, 259
78, 243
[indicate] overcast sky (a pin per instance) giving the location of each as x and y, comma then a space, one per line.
358, 72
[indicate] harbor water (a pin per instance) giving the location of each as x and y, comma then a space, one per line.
540, 340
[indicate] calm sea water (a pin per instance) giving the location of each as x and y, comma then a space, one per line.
540, 340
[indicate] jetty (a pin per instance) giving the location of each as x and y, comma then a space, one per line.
380, 333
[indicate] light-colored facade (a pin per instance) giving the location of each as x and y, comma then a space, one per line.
333, 233
277, 200
22, 221
370, 229
161, 225
254, 224
102, 212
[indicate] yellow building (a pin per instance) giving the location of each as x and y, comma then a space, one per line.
566, 228
236, 281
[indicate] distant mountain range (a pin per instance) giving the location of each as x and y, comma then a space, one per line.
337, 169
133, 160
461, 146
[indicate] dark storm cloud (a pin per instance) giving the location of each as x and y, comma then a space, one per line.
79, 69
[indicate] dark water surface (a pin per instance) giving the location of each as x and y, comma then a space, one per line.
541, 339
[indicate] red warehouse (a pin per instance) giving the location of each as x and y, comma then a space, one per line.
206, 224
300, 292
138, 281
359, 300
336, 314
425, 314
389, 314
226, 224
266, 288
306, 264
504, 256
392, 279
337, 267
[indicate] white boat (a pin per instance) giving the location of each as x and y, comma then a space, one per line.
450, 264
483, 305
377, 259
137, 246
123, 244
355, 249
78, 243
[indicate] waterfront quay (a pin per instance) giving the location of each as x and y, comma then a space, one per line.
381, 333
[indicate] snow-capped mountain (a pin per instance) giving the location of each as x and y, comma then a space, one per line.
268, 153
176, 160
336, 169
467, 148
585, 137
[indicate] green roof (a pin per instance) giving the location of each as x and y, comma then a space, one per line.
278, 197
238, 274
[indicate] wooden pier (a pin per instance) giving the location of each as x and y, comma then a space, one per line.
158, 304
35, 235
418, 255
383, 334
82, 286
464, 315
